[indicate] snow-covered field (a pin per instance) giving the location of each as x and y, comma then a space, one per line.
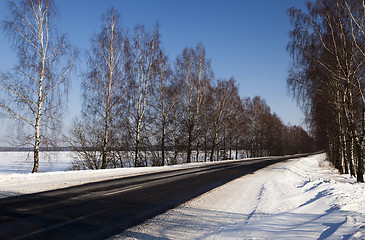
22, 162
16, 179
298, 199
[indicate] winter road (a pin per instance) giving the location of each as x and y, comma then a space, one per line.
103, 209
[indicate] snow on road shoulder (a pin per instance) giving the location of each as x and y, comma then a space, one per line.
13, 184
298, 199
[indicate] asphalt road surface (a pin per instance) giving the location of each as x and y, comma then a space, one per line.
103, 209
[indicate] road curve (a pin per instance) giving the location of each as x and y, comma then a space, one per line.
103, 209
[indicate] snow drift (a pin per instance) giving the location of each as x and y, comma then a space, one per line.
299, 199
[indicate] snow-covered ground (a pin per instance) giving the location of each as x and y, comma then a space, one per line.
16, 179
22, 162
299, 199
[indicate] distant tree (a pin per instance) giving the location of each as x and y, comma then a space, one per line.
104, 89
222, 99
265, 134
192, 71
234, 117
206, 125
258, 112
86, 137
275, 132
238, 129
175, 127
201, 128
163, 100
144, 48
34, 94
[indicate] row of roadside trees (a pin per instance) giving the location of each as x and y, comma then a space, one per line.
138, 108
327, 76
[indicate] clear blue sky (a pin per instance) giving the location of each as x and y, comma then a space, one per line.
245, 39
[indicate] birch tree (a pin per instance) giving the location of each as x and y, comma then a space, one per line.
34, 94
326, 47
144, 48
192, 70
177, 132
219, 110
104, 89
234, 116
163, 102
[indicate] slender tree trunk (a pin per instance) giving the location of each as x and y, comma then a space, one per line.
230, 149
188, 154
236, 148
351, 158
174, 162
189, 146
197, 150
37, 126
342, 145
104, 150
224, 143
218, 148
137, 147
360, 170
175, 140
212, 151
108, 105
205, 147
163, 143
36, 145
341, 159
345, 155
360, 166
252, 150
213, 147
106, 141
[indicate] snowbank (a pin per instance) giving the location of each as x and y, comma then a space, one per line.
299, 199
16, 179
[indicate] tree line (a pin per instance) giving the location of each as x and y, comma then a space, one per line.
136, 101
139, 108
327, 77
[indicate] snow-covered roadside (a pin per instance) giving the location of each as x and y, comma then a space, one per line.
299, 199
12, 184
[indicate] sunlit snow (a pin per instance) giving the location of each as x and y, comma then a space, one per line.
299, 199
